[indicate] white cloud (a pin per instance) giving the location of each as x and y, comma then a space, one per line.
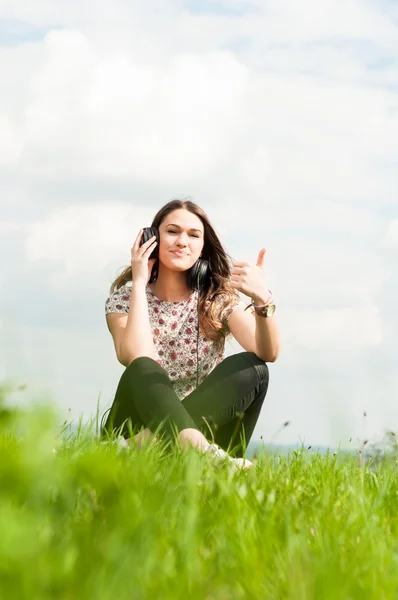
112, 117
391, 238
311, 139
9, 227
85, 239
344, 328
284, 136
93, 110
327, 19
11, 145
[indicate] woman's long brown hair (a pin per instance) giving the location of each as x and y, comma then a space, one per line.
219, 270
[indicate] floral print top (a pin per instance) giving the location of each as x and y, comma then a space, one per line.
174, 328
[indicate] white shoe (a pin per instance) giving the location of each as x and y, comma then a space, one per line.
120, 442
221, 457
243, 463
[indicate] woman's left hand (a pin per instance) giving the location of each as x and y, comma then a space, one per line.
249, 279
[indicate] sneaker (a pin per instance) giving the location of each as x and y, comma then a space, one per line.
222, 457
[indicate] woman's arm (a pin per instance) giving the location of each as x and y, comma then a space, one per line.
137, 337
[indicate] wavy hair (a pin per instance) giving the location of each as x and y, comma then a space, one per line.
217, 286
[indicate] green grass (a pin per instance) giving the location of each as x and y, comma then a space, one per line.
81, 520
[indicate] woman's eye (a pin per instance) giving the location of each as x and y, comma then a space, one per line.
172, 231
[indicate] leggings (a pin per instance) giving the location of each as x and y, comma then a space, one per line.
228, 401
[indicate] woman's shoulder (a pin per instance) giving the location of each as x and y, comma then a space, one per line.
225, 303
223, 298
119, 300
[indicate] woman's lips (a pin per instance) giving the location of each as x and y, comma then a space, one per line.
179, 253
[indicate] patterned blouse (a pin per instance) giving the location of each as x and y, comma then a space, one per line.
174, 328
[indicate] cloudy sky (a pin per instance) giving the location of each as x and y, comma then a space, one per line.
279, 118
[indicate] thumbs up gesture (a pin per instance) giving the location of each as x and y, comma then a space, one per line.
249, 278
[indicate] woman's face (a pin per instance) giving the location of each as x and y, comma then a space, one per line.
184, 232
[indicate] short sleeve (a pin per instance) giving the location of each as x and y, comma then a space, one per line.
227, 311
118, 302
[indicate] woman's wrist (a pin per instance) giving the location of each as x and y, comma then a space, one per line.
263, 300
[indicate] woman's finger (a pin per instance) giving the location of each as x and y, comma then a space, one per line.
136, 244
239, 270
148, 244
145, 249
150, 247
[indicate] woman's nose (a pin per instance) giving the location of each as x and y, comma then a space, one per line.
182, 240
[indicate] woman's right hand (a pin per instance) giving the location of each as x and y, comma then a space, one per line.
141, 264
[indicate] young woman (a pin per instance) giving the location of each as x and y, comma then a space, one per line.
177, 379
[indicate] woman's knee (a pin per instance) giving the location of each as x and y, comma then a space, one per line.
143, 367
243, 360
143, 363
260, 367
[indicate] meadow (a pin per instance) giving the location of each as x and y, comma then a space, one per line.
85, 520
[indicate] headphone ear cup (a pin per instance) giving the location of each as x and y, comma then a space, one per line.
147, 234
199, 274
155, 253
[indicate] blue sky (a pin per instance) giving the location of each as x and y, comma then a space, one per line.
14, 32
224, 9
279, 119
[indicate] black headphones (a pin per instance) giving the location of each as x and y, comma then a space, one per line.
198, 277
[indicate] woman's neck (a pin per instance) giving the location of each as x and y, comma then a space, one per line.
170, 293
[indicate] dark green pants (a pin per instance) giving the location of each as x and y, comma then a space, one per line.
229, 400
